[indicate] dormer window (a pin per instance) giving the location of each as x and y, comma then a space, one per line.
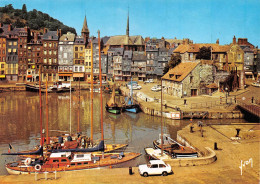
178, 76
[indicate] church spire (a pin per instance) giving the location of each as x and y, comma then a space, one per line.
127, 26
85, 31
85, 26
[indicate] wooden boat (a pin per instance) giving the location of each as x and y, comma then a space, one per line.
175, 149
155, 154
130, 106
68, 161
111, 105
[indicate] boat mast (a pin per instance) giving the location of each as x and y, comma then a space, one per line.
79, 107
47, 113
91, 90
161, 120
40, 96
70, 106
100, 82
131, 93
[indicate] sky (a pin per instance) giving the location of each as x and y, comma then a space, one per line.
203, 21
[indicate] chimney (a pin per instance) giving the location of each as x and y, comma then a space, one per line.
60, 32
44, 30
35, 37
9, 27
234, 40
217, 42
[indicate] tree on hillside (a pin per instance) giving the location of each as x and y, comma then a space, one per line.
24, 11
204, 53
174, 61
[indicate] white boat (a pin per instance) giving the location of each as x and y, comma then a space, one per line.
256, 84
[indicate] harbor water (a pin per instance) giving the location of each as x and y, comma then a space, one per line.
20, 122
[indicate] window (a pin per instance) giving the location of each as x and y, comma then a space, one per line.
45, 60
63, 160
50, 44
49, 52
76, 49
238, 56
45, 44
49, 61
61, 48
45, 52
154, 166
55, 161
191, 79
65, 55
80, 156
162, 166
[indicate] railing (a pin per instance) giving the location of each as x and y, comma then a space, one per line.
210, 104
252, 108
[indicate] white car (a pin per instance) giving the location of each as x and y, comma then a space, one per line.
136, 87
156, 88
155, 167
149, 81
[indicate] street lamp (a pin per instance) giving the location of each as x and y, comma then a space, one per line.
226, 93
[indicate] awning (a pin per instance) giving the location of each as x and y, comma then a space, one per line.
248, 73
78, 74
29, 76
65, 74
2, 76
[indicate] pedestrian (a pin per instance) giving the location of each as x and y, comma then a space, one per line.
200, 124
191, 127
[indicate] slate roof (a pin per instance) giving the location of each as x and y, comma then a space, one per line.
50, 35
181, 70
79, 40
196, 47
125, 40
5, 32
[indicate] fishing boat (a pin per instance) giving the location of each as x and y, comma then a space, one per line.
175, 149
69, 161
111, 105
130, 106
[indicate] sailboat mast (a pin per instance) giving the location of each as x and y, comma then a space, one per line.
70, 106
100, 82
91, 90
161, 120
131, 93
79, 107
40, 96
47, 112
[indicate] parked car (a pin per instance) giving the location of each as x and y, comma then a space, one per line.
149, 81
155, 167
133, 83
156, 88
135, 87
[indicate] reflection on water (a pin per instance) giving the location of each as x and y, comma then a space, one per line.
20, 125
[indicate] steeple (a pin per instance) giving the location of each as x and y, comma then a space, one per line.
127, 26
85, 31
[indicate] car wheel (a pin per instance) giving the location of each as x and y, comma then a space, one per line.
164, 173
145, 174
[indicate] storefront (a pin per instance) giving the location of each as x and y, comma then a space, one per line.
65, 76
